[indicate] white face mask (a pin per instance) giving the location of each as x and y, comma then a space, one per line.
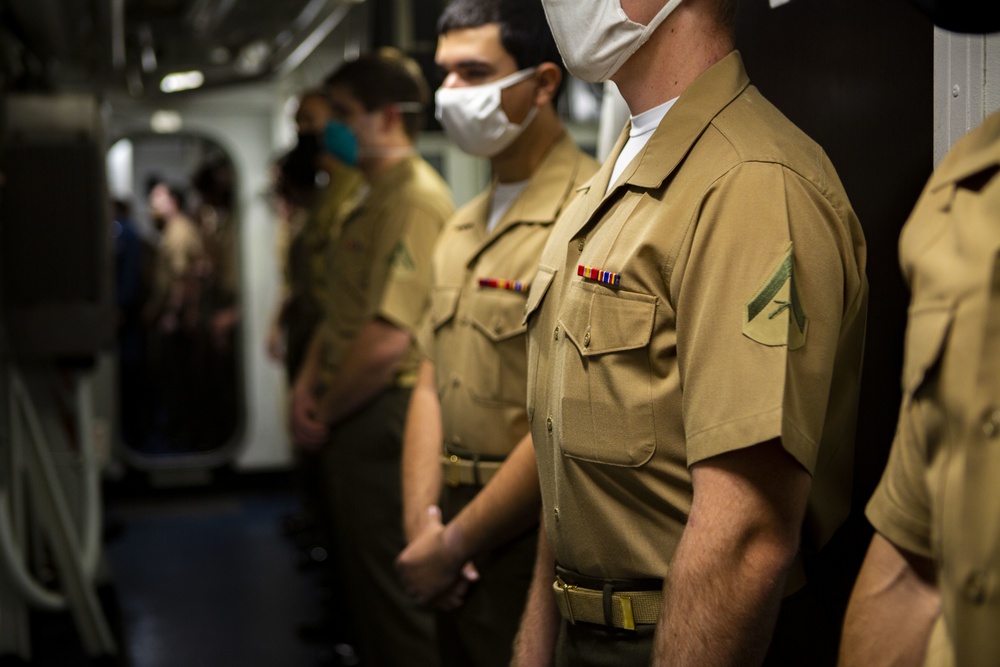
473, 118
596, 37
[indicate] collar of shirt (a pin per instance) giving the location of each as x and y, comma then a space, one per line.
640, 130
504, 196
693, 111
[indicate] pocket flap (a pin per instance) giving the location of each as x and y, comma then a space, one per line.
499, 316
539, 288
444, 303
599, 322
926, 333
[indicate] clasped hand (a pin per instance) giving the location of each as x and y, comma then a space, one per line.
433, 569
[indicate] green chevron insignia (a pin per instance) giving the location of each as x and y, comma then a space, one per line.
401, 259
774, 315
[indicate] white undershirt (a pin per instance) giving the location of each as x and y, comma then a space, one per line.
642, 129
504, 196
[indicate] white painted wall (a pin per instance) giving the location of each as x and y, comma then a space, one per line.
966, 85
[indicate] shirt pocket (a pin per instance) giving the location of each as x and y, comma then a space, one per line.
607, 384
444, 303
498, 364
926, 333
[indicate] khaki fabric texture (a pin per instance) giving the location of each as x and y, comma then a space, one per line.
380, 265
730, 213
477, 339
308, 252
939, 494
309, 247
177, 256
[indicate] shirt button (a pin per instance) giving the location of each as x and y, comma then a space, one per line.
975, 587
555, 513
586, 338
991, 425
555, 334
455, 381
579, 246
455, 440
497, 326
548, 424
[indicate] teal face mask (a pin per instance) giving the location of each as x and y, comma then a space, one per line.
339, 141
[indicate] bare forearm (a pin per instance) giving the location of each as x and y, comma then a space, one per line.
368, 368
421, 452
725, 582
535, 644
720, 604
507, 506
893, 607
308, 374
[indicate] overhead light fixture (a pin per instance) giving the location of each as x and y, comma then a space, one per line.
178, 81
165, 122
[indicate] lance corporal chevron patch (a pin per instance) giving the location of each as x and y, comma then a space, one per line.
774, 315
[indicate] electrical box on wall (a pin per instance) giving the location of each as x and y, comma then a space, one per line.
54, 216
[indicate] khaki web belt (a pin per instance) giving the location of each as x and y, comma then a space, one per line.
627, 608
458, 471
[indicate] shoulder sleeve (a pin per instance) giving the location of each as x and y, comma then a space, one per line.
900, 506
406, 295
764, 296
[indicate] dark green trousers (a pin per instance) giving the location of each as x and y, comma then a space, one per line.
481, 632
361, 463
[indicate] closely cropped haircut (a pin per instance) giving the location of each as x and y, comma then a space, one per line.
727, 12
314, 94
383, 78
524, 31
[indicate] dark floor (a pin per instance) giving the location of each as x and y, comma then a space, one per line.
201, 578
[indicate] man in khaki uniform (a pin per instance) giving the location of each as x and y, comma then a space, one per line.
927, 591
179, 257
308, 248
351, 396
470, 392
173, 311
695, 333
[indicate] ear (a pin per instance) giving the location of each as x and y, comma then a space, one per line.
391, 117
548, 77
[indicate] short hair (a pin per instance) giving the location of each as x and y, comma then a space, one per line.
727, 12
386, 77
524, 31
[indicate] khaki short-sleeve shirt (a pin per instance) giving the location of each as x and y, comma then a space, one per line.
940, 494
380, 266
178, 257
180, 250
475, 334
713, 300
310, 247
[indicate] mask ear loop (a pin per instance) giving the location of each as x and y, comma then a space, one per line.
647, 31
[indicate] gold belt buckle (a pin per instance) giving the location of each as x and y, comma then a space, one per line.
566, 588
628, 617
452, 475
